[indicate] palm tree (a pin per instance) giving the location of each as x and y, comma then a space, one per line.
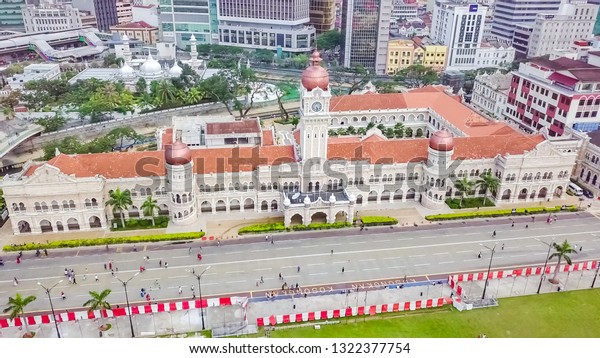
399, 130
120, 200
16, 306
464, 186
165, 92
98, 300
148, 207
561, 252
488, 182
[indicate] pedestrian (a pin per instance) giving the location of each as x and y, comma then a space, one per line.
479, 255
62, 295
15, 281
513, 224
112, 272
166, 264
104, 266
262, 280
97, 278
494, 233
343, 269
66, 272
70, 279
580, 248
192, 289
219, 242
180, 290
332, 252
280, 277
267, 238
159, 263
503, 246
190, 250
272, 241
526, 226
74, 280
110, 265
298, 269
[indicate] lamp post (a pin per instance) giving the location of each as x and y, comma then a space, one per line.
487, 277
127, 300
545, 262
199, 277
596, 275
51, 305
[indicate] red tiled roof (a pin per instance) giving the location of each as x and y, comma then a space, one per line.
454, 112
143, 164
247, 126
134, 25
562, 79
267, 137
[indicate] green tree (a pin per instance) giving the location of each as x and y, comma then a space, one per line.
561, 252
109, 60
51, 124
140, 85
488, 182
329, 40
355, 78
193, 96
119, 134
351, 130
399, 130
164, 94
281, 90
68, 145
120, 200
370, 125
148, 207
217, 87
389, 132
465, 186
416, 76
14, 69
263, 56
408, 132
381, 127
16, 307
385, 86
98, 301
300, 61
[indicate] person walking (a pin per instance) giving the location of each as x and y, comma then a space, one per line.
190, 250
494, 233
298, 269
62, 295
479, 255
45, 252
166, 264
97, 278
15, 281
332, 252
503, 246
262, 280
343, 269
180, 290
110, 265
159, 263
74, 280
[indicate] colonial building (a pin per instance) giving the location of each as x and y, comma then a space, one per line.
490, 93
316, 178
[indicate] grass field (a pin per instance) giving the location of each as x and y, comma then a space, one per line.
571, 314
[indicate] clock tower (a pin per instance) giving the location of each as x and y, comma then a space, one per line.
314, 111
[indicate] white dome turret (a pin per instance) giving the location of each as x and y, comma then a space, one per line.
126, 71
286, 202
332, 199
151, 68
175, 71
306, 200
352, 198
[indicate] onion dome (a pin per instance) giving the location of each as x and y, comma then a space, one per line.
315, 75
286, 202
126, 71
306, 200
175, 71
178, 153
442, 141
125, 38
332, 198
150, 67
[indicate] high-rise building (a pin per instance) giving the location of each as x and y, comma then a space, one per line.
574, 21
180, 19
510, 13
365, 33
460, 27
404, 10
281, 25
50, 16
124, 12
11, 16
104, 10
322, 15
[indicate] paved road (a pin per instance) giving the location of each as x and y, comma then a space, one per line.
236, 267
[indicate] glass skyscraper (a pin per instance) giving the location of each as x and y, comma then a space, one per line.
11, 15
181, 18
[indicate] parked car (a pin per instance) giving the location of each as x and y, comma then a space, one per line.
588, 194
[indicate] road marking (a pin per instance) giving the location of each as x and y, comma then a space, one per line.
174, 257
390, 258
365, 260
396, 267
296, 266
371, 269
469, 260
319, 264
311, 246
519, 255
235, 252
211, 283
265, 269
441, 253
333, 244
446, 262
380, 240
532, 245
462, 252
258, 250
234, 272
238, 281
340, 262
283, 248
421, 264
417, 256
177, 276
318, 273
358, 242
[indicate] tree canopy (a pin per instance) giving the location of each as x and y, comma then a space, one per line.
329, 40
416, 76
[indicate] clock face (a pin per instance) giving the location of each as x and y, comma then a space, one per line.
317, 106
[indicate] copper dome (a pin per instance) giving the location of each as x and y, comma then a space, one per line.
315, 75
442, 141
178, 153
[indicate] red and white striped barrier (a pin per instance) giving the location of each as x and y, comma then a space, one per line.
118, 312
528, 271
352, 311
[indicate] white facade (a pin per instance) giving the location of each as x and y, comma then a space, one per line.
574, 21
400, 10
490, 93
587, 170
460, 27
510, 13
34, 72
148, 13
50, 17
494, 55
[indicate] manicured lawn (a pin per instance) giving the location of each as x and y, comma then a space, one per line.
468, 203
565, 314
160, 222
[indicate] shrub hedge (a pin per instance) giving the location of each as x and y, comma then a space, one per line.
261, 228
378, 220
498, 213
160, 222
468, 203
106, 241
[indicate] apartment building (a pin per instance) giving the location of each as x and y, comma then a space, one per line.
11, 16
490, 93
574, 21
279, 25
322, 15
509, 14
50, 16
555, 94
